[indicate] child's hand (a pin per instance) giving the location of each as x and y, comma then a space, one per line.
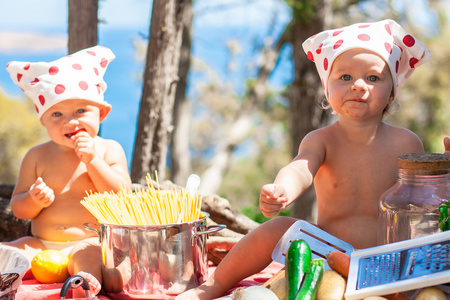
41, 193
447, 145
84, 146
272, 200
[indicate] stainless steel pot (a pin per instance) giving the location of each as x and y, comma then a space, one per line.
160, 259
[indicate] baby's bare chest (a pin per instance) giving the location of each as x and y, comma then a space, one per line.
355, 181
66, 176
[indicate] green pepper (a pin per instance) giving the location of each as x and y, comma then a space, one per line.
444, 219
298, 259
310, 285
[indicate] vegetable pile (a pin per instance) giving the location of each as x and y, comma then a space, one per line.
306, 279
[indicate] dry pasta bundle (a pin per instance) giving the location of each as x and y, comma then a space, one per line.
144, 207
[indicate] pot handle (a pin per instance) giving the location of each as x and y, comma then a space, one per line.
72, 283
208, 229
89, 225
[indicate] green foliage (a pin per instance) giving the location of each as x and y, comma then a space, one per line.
302, 10
20, 129
254, 213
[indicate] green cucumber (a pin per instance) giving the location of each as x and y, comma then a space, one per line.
298, 259
311, 283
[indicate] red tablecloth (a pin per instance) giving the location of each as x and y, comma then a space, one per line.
33, 290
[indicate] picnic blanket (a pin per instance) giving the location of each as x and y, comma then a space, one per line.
31, 289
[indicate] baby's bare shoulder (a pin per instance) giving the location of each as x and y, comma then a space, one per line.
38, 151
107, 143
403, 137
322, 134
314, 145
398, 130
111, 150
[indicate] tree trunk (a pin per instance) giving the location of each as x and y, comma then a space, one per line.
305, 96
83, 21
180, 159
160, 81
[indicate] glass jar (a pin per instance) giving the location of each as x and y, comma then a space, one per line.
410, 208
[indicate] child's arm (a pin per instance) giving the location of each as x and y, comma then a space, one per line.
30, 195
293, 179
109, 172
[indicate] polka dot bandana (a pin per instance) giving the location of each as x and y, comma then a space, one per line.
402, 52
76, 76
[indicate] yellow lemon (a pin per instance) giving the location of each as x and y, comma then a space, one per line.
50, 266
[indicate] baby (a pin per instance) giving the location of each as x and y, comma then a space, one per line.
69, 97
351, 162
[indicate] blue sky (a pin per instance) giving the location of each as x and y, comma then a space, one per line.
50, 14
48, 20
49, 17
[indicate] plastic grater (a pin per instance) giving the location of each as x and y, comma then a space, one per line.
399, 267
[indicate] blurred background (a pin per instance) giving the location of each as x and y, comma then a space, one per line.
230, 52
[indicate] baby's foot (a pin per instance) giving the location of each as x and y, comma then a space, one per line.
94, 285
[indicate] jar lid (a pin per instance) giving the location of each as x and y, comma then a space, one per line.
424, 161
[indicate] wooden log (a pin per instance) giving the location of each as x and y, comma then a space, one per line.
11, 228
6, 190
222, 212
224, 232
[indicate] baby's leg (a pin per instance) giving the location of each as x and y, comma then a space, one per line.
28, 246
249, 256
85, 260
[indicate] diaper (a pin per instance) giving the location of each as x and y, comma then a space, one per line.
64, 247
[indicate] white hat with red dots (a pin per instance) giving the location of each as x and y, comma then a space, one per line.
76, 76
402, 52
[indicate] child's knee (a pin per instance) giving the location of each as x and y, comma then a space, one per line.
86, 253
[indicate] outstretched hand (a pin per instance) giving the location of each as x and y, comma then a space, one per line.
447, 145
41, 193
272, 200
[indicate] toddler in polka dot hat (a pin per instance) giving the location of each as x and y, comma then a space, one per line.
350, 163
55, 176
401, 51
76, 76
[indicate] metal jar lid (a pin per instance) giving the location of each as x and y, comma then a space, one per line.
424, 163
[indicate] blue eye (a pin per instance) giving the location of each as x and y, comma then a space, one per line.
346, 77
372, 78
81, 110
56, 114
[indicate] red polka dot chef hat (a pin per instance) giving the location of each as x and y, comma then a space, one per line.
76, 76
402, 52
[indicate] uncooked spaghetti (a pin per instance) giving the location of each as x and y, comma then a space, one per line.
144, 207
